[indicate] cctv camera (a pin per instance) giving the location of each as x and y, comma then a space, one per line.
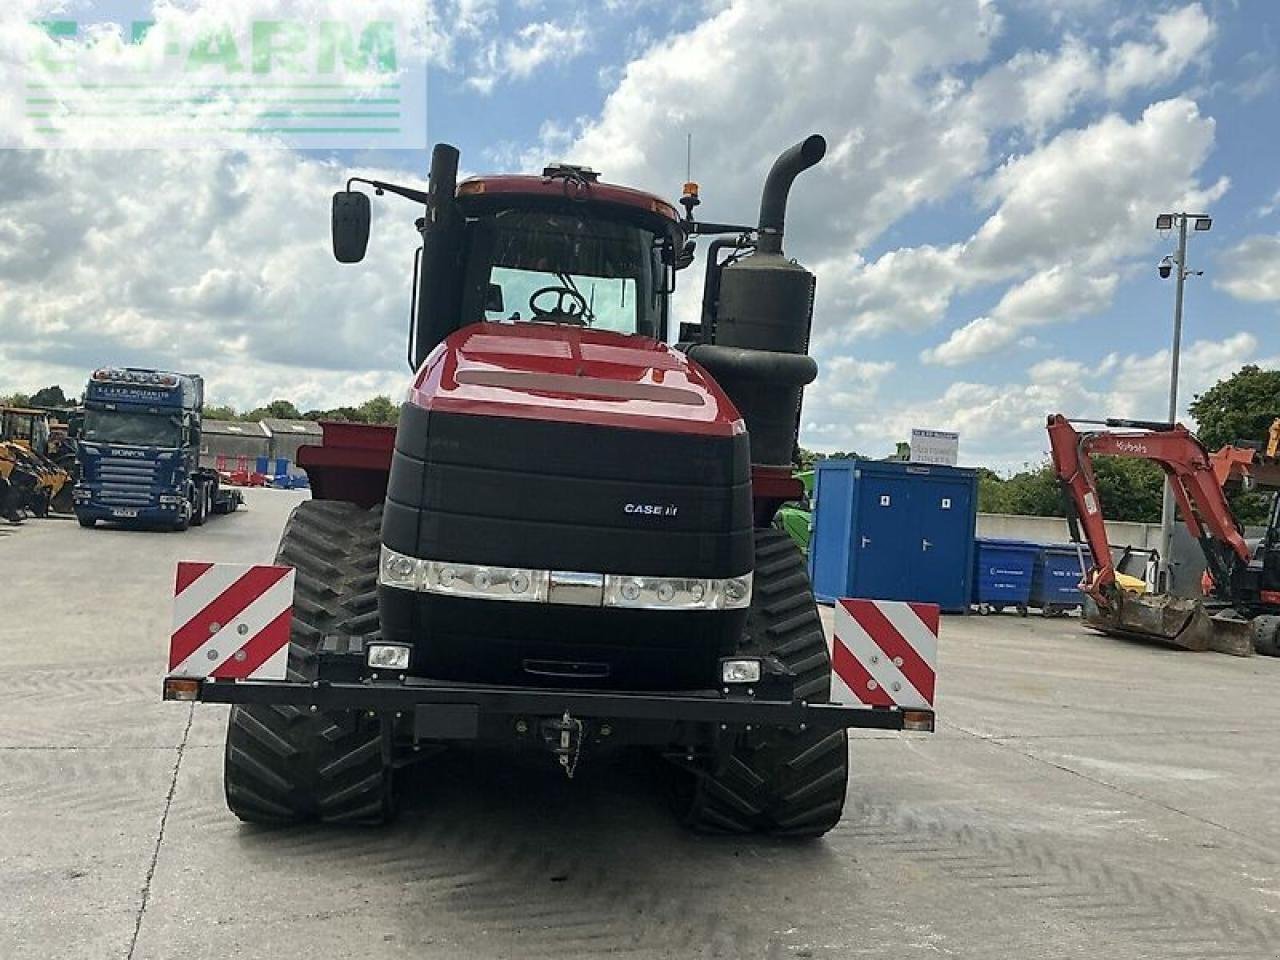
1165, 266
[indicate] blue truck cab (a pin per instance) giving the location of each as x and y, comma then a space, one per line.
139, 451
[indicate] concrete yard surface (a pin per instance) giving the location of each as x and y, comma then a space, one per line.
1084, 797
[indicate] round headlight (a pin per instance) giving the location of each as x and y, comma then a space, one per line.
697, 591
630, 590
519, 582
735, 591
447, 576
666, 592
400, 567
482, 579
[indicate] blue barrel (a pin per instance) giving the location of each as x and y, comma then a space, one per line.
1002, 572
1055, 586
261, 465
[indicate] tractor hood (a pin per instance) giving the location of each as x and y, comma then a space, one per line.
550, 371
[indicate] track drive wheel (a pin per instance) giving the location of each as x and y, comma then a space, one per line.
784, 782
284, 764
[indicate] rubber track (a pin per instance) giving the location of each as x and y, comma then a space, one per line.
285, 764
781, 781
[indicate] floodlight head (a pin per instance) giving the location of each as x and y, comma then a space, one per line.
1164, 221
1204, 223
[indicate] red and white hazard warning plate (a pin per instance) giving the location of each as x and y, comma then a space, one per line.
231, 621
884, 653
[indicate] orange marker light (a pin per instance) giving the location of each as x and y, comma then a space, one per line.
176, 688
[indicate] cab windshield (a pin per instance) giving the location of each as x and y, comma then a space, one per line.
140, 429
570, 268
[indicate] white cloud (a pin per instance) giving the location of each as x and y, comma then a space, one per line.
1001, 423
1183, 36
1065, 214
1050, 296
230, 273
1251, 269
533, 46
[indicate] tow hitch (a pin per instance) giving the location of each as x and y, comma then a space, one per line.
564, 738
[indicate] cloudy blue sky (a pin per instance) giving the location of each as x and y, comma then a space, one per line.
982, 228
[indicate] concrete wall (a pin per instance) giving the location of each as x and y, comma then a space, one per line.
1140, 536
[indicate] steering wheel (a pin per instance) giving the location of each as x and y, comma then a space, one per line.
560, 312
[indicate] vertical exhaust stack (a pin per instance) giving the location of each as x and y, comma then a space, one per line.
763, 316
438, 290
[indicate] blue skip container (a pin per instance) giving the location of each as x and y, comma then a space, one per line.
1002, 574
1055, 586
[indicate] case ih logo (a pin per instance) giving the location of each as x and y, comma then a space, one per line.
652, 509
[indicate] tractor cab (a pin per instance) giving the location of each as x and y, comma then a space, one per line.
561, 249
569, 266
30, 428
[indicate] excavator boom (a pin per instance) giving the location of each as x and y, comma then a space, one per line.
1197, 488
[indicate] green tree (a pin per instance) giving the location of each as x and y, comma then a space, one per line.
379, 410
276, 409
50, 397
221, 413
1240, 407
806, 459
1129, 490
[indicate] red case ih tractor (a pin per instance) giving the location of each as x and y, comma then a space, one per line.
566, 543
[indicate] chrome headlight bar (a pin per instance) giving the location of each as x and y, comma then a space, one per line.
524, 585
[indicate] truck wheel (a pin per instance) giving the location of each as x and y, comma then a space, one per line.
285, 764
789, 782
87, 522
200, 505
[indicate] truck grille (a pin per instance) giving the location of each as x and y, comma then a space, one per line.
126, 482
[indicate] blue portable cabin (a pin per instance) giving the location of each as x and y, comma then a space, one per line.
889, 530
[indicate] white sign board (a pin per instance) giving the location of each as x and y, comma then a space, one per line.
935, 446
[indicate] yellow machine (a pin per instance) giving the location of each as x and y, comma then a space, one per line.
27, 427
31, 480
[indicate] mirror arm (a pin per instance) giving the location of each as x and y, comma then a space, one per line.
702, 227
418, 196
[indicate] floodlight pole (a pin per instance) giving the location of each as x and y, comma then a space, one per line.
1167, 507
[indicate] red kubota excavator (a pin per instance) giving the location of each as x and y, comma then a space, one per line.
1239, 615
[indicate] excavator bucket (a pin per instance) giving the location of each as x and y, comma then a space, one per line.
1178, 621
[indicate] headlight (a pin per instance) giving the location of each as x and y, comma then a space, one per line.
740, 671
398, 570
490, 583
387, 656
677, 593
526, 585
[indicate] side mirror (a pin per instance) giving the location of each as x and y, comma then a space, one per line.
350, 226
493, 299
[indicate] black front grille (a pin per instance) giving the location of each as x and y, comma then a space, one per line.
567, 496
555, 496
